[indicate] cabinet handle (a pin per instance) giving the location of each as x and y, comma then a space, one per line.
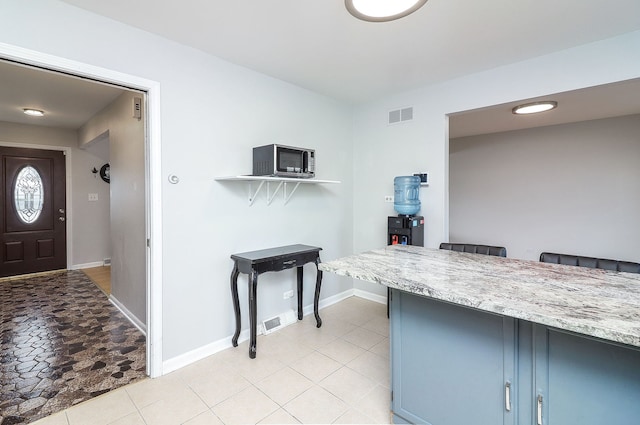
539, 410
507, 396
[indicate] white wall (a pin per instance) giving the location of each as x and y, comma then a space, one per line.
570, 188
213, 113
89, 221
126, 140
386, 151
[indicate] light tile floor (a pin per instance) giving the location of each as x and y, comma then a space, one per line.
336, 374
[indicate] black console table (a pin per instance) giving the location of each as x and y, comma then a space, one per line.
254, 263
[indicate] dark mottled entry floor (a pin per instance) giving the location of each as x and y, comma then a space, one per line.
61, 342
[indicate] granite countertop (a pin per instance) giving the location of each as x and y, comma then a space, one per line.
593, 302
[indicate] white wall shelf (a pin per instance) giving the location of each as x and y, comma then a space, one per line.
281, 182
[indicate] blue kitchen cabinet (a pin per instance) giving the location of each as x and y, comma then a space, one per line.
450, 365
454, 365
584, 381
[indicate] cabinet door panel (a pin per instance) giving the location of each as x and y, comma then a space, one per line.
591, 382
448, 362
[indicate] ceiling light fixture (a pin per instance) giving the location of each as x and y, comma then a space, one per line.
33, 112
535, 107
382, 10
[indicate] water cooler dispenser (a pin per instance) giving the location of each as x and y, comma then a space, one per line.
406, 228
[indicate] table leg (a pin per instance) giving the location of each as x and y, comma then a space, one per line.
316, 297
253, 285
236, 302
300, 293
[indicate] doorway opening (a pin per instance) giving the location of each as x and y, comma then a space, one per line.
151, 187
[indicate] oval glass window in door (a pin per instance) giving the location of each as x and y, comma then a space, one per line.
28, 194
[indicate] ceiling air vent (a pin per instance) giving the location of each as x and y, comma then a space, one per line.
401, 115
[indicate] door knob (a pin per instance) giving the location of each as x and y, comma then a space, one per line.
61, 218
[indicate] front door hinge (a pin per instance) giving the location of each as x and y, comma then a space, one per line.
148, 243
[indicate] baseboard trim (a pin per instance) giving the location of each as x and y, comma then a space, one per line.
193, 356
326, 302
382, 299
87, 265
130, 316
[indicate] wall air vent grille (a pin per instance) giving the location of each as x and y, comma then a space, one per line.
400, 115
274, 323
394, 116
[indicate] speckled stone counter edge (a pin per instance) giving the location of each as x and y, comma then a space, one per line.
594, 302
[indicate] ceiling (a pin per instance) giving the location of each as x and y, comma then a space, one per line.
68, 102
319, 46
605, 101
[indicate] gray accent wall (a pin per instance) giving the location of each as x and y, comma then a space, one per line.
126, 139
572, 189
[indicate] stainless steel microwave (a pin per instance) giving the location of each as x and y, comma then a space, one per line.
284, 161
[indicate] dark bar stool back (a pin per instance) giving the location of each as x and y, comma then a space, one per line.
498, 251
592, 262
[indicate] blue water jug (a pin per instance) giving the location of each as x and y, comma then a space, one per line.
406, 194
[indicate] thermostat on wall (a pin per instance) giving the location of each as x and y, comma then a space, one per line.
424, 178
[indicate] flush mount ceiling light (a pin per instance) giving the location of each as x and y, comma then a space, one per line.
382, 10
535, 107
33, 112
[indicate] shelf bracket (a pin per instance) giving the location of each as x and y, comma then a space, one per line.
252, 198
287, 197
275, 192
287, 191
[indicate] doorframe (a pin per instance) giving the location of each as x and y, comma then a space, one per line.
153, 178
